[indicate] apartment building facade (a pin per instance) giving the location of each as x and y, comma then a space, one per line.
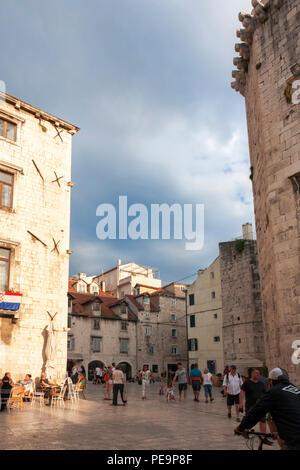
205, 320
161, 330
102, 331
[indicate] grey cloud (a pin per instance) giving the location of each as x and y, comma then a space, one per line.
141, 78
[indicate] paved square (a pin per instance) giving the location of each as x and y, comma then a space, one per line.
152, 424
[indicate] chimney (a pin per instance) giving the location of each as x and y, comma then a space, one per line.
247, 232
103, 286
119, 262
80, 276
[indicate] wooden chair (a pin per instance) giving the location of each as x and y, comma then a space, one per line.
80, 389
15, 400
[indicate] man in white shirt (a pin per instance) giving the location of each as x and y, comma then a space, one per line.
232, 388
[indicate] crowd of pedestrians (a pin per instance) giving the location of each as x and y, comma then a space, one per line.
272, 402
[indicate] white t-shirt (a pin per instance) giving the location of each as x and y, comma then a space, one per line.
98, 371
207, 379
146, 375
233, 383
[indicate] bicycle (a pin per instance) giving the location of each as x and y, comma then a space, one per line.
256, 439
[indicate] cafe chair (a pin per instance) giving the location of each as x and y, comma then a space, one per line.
15, 400
37, 397
58, 397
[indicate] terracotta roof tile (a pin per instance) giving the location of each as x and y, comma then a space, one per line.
79, 301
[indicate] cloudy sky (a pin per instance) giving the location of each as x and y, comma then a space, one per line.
148, 83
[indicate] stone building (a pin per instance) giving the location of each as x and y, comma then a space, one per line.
102, 330
161, 330
177, 288
128, 279
268, 76
243, 336
205, 320
35, 186
84, 284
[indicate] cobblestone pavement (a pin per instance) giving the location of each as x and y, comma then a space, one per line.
152, 424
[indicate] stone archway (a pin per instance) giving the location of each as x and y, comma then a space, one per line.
127, 369
91, 368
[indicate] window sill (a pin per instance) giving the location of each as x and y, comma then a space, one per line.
4, 139
8, 210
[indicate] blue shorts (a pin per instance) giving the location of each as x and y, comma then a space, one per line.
196, 384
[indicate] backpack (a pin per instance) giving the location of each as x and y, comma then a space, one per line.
107, 377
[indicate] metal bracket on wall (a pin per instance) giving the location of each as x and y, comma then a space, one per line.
58, 131
55, 246
37, 238
38, 170
57, 179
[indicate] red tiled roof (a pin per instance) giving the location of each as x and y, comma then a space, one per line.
107, 301
72, 282
132, 298
83, 298
135, 302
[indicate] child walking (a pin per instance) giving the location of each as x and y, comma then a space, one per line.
162, 385
170, 391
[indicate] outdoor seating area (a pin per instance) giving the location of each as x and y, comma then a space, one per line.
41, 392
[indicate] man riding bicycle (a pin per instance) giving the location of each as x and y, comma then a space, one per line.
282, 401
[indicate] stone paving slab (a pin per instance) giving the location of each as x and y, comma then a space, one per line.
152, 424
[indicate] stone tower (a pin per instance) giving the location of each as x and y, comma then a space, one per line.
243, 332
267, 75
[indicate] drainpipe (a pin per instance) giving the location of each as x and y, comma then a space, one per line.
187, 336
137, 346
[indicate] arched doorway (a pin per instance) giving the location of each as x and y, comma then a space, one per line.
91, 368
127, 369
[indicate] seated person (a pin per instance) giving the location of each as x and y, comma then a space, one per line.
81, 380
45, 386
28, 385
5, 386
45, 382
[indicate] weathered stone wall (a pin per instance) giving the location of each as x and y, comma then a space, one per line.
274, 138
161, 335
243, 336
37, 271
